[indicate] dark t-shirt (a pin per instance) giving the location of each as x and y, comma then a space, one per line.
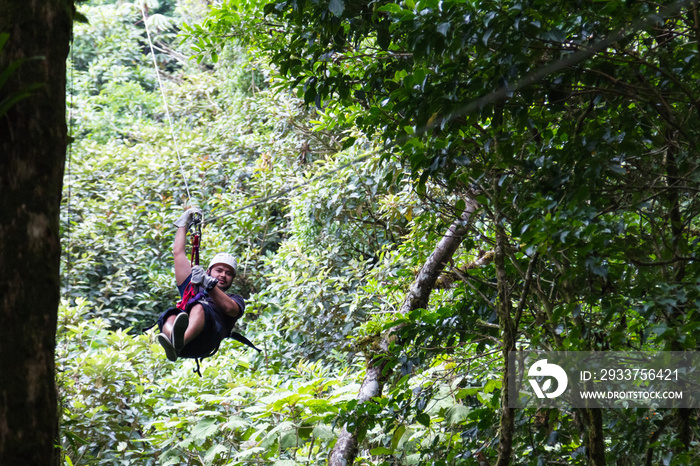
224, 320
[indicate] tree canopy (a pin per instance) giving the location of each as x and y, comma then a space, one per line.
564, 136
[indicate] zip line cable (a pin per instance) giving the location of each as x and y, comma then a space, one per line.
572, 59
165, 101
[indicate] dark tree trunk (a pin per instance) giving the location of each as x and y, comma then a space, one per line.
596, 437
345, 449
32, 155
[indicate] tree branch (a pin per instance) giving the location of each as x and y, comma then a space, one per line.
346, 448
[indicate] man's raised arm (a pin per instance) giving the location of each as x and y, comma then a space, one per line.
182, 263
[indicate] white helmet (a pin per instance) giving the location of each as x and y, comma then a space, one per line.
224, 258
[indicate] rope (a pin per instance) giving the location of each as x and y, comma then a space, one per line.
165, 101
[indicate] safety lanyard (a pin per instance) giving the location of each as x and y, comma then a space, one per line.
196, 239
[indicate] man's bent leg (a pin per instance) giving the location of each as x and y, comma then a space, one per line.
168, 326
165, 338
178, 333
196, 323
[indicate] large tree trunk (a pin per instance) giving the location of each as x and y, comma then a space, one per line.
32, 155
345, 449
596, 437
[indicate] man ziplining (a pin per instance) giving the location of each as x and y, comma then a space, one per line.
196, 328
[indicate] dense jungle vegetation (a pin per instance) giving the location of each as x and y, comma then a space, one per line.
338, 148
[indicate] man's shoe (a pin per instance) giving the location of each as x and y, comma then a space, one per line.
170, 352
179, 326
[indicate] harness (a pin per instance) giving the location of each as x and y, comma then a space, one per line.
192, 293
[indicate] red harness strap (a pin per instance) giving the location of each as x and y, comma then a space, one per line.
190, 292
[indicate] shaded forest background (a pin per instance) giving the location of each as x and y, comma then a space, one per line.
565, 141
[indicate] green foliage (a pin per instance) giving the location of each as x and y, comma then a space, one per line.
572, 128
583, 160
123, 402
126, 182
